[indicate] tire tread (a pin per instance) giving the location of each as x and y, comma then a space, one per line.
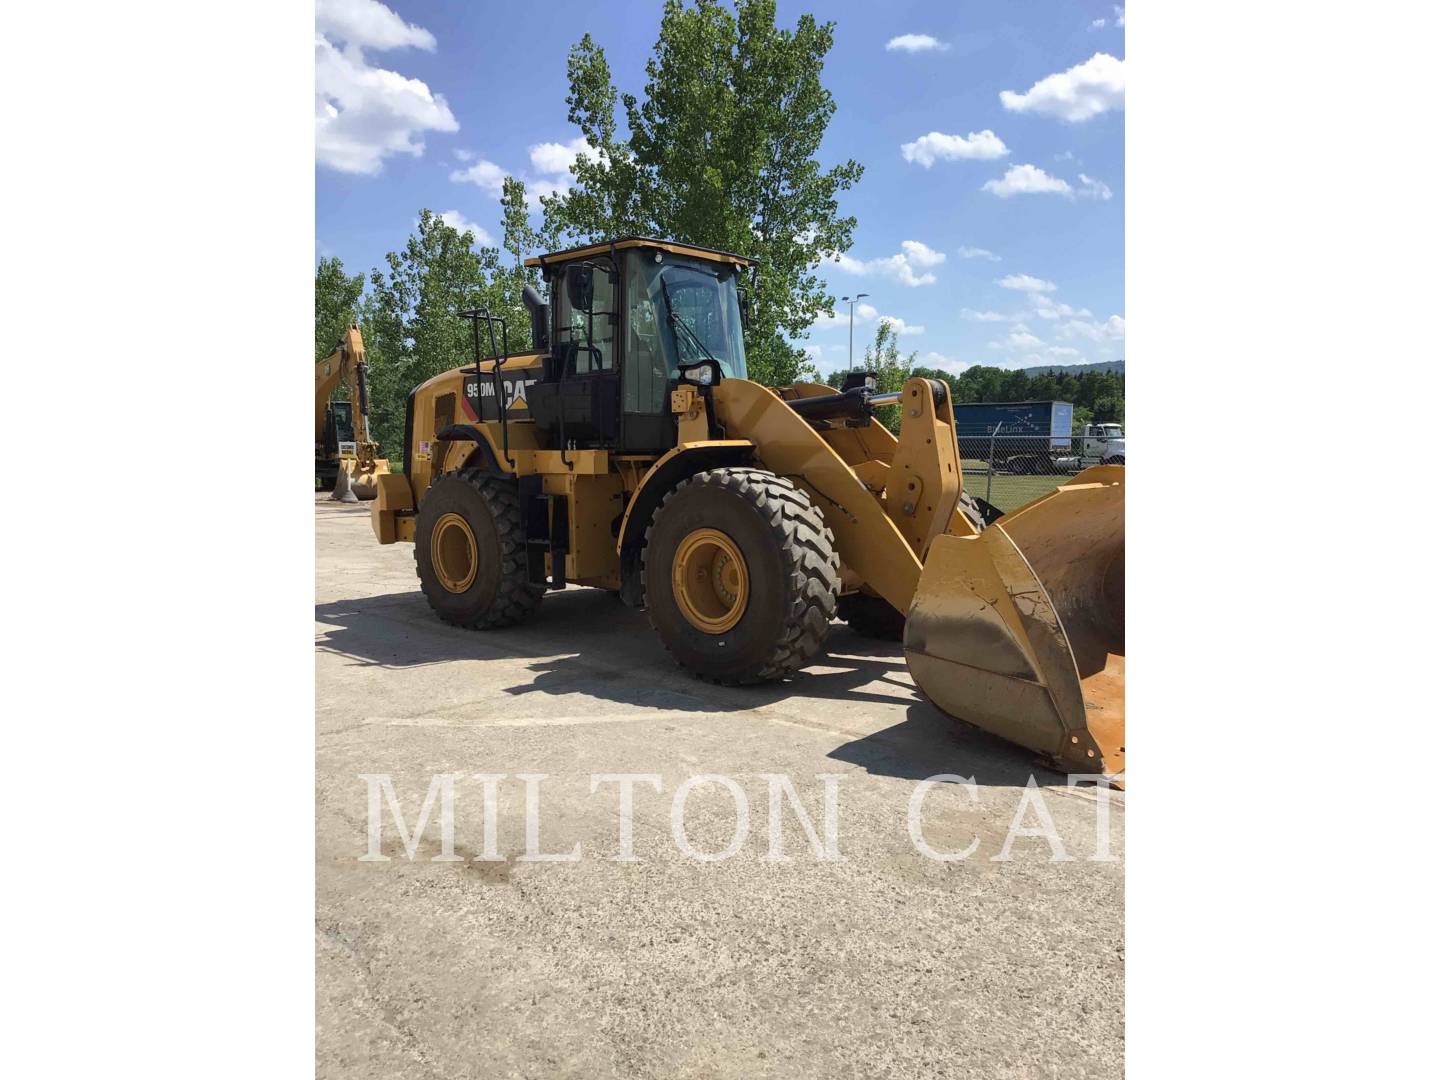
516, 598
812, 570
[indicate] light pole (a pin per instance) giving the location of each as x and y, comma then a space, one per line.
852, 301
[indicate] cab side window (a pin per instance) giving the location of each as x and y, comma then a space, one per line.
596, 327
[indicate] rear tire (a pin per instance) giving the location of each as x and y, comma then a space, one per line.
758, 542
470, 552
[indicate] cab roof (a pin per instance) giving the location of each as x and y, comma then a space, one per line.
624, 242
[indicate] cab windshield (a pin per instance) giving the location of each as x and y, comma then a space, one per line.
689, 308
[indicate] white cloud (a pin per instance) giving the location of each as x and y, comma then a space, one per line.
552, 161
463, 155
952, 364
1097, 24
918, 254
1047, 308
1091, 188
1084, 91
461, 224
900, 326
913, 256
1062, 350
369, 24
536, 188
864, 313
913, 43
1021, 338
982, 316
1112, 329
557, 159
364, 114
1026, 283
485, 175
1120, 17
937, 146
977, 253
1027, 180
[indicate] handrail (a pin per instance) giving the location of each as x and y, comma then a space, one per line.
475, 315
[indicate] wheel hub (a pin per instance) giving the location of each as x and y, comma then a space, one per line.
711, 581
454, 553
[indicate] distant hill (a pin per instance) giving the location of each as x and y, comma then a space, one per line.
1117, 366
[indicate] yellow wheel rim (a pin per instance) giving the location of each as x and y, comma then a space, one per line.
710, 581
453, 553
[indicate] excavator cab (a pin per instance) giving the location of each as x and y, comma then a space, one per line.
339, 427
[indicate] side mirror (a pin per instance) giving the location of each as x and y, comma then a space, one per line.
580, 286
744, 309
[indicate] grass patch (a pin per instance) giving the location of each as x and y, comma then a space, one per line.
1006, 492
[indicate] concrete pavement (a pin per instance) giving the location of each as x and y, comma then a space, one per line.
881, 963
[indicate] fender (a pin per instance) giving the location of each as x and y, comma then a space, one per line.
684, 461
484, 450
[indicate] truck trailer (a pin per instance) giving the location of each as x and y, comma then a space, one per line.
1034, 437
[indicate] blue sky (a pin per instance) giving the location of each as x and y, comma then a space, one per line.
991, 212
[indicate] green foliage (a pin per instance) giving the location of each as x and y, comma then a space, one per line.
1098, 396
720, 153
409, 318
337, 303
882, 356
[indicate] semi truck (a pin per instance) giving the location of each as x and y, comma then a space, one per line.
1035, 437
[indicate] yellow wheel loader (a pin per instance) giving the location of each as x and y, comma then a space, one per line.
345, 455
629, 452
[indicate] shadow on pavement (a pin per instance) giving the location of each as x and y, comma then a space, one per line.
585, 641
927, 742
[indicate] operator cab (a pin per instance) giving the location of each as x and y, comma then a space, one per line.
627, 321
339, 428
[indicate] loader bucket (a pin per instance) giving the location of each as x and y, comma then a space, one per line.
1021, 629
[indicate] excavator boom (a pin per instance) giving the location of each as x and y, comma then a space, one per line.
356, 467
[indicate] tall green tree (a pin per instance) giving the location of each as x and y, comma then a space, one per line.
337, 303
882, 356
721, 152
411, 320
518, 240
1098, 396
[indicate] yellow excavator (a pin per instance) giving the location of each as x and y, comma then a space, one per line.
345, 456
629, 451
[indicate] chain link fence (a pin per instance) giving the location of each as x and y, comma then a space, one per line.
1008, 471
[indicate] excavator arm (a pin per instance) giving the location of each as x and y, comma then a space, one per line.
347, 365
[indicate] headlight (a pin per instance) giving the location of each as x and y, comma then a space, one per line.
703, 374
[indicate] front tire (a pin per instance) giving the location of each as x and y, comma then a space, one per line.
470, 552
741, 576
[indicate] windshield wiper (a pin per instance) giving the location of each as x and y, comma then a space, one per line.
676, 322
